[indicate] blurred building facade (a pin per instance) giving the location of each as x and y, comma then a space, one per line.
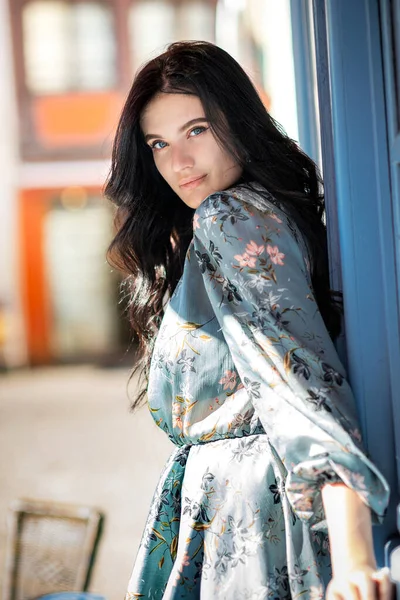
66, 68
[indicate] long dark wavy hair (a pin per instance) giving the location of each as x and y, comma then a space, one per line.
154, 226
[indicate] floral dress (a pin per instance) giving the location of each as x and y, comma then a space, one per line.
247, 384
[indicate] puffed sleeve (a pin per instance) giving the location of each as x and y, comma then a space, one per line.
256, 274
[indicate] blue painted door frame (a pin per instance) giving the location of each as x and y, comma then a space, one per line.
390, 27
366, 224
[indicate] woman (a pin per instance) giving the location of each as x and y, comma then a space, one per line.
220, 209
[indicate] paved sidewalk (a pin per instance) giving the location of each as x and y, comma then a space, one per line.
66, 434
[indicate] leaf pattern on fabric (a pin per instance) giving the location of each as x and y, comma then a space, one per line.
247, 384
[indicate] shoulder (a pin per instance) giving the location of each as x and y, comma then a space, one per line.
243, 208
239, 204
249, 218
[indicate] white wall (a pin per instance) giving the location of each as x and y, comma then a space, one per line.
10, 295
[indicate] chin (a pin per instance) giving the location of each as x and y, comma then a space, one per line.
194, 203
194, 200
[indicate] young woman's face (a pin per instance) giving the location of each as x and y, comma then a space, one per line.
185, 151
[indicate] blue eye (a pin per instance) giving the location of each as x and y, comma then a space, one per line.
198, 129
153, 145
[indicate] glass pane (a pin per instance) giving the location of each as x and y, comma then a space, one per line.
152, 25
81, 287
196, 21
95, 52
258, 34
68, 46
46, 49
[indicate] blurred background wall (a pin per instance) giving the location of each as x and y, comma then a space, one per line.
65, 69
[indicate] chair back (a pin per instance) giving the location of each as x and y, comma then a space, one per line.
51, 547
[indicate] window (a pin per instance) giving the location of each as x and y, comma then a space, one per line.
68, 46
76, 233
74, 62
155, 23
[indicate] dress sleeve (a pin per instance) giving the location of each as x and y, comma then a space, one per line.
256, 274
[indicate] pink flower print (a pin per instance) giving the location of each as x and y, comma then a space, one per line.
229, 380
179, 573
196, 222
305, 504
245, 260
253, 249
275, 217
355, 433
316, 593
358, 481
276, 256
177, 422
185, 560
177, 415
176, 408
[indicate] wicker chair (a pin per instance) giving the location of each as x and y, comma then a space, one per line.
51, 547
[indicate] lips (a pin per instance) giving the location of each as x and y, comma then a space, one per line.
191, 182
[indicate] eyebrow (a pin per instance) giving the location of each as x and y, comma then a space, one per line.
185, 126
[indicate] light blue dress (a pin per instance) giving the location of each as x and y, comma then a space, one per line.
246, 381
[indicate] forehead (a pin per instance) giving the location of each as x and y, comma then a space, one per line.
169, 111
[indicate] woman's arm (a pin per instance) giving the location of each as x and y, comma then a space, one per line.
352, 551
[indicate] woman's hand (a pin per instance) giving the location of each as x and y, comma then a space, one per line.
361, 583
355, 575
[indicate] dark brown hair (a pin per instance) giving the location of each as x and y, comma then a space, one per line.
154, 226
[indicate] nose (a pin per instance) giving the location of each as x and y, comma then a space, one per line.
181, 159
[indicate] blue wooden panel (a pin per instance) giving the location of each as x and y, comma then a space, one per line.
390, 20
390, 25
328, 158
304, 71
309, 47
366, 229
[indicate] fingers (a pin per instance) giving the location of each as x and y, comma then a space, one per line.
386, 589
367, 588
361, 585
343, 590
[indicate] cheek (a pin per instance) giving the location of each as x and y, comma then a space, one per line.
217, 156
224, 161
161, 165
